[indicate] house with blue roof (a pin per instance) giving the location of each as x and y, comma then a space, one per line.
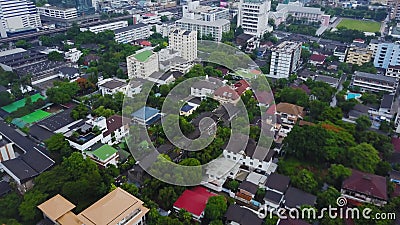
187, 110
146, 116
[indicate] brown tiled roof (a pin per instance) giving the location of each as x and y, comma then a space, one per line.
226, 92
368, 184
288, 108
113, 124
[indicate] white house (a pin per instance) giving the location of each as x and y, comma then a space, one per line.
111, 86
73, 55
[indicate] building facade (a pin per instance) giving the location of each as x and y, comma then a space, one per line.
83, 7
285, 59
387, 54
142, 64
107, 26
205, 28
393, 71
131, 33
59, 13
374, 82
358, 55
253, 16
17, 16
185, 42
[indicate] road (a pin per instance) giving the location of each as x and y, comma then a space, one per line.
340, 88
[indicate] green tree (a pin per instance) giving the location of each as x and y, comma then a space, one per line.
363, 157
337, 173
167, 197
28, 209
131, 188
55, 56
5, 98
233, 185
363, 123
58, 146
328, 197
23, 44
62, 92
79, 112
305, 181
9, 206
215, 208
102, 111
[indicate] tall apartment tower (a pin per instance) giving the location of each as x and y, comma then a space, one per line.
285, 59
185, 42
387, 54
253, 16
17, 16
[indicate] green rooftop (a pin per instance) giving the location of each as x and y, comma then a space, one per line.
143, 56
104, 152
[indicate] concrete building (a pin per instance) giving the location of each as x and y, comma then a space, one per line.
340, 52
84, 7
357, 54
373, 46
285, 59
103, 156
307, 15
253, 16
205, 28
112, 86
132, 32
117, 207
56, 12
395, 6
142, 64
73, 55
387, 54
185, 42
374, 82
393, 71
18, 16
108, 26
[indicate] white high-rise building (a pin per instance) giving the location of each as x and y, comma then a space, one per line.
253, 16
285, 59
185, 42
18, 15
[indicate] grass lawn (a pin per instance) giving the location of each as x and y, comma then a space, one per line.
35, 116
361, 25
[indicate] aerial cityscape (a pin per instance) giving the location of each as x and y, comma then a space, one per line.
203, 112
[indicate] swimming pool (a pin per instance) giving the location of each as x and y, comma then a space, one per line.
351, 95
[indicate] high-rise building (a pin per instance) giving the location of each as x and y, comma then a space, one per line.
253, 16
83, 6
285, 59
142, 64
184, 42
387, 54
17, 16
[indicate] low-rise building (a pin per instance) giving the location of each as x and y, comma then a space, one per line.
374, 82
133, 32
340, 52
126, 209
108, 26
242, 215
111, 86
56, 12
103, 156
317, 59
146, 115
289, 113
334, 82
193, 201
276, 186
73, 55
246, 191
296, 198
117, 130
226, 94
365, 188
205, 88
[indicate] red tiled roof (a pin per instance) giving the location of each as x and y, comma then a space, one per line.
396, 144
241, 86
145, 43
368, 184
302, 87
265, 97
226, 92
358, 40
194, 200
149, 14
317, 58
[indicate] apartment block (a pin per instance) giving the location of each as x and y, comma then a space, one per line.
17, 16
253, 16
107, 26
285, 59
356, 54
340, 52
142, 64
59, 13
387, 54
133, 32
374, 82
185, 42
205, 28
393, 71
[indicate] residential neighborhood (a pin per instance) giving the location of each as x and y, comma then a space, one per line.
211, 112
